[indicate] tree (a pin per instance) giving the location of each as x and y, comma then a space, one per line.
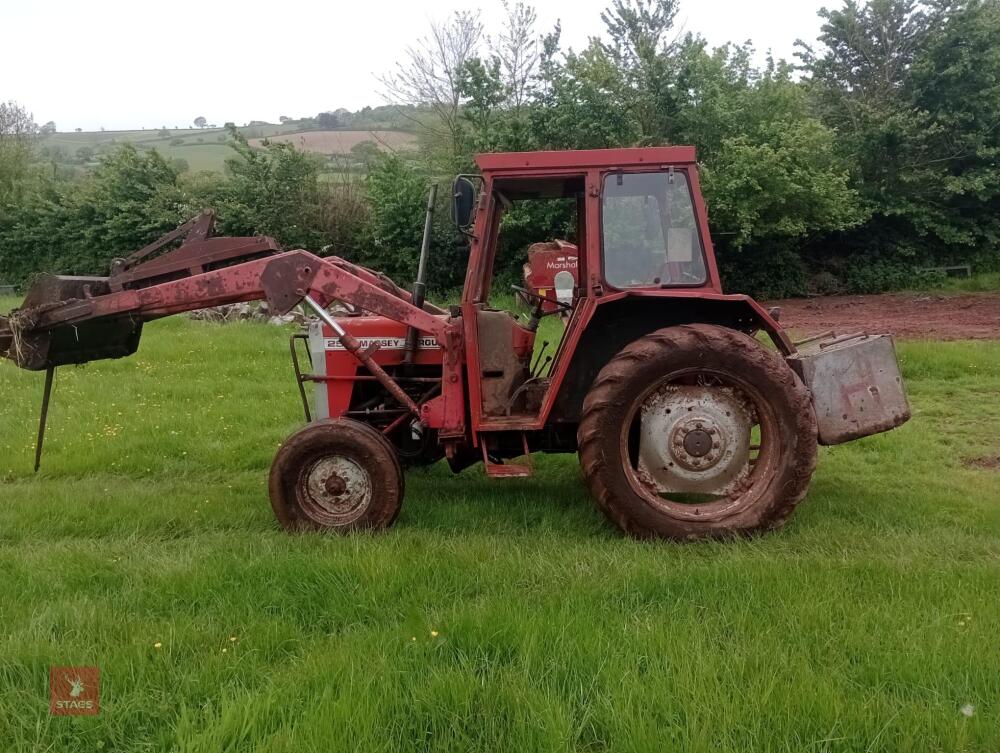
517, 51
273, 191
365, 152
327, 120
17, 136
430, 76
200, 121
912, 90
48, 129
640, 54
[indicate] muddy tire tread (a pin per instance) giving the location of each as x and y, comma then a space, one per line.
664, 344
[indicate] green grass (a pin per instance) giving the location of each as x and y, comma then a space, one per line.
865, 625
208, 154
984, 282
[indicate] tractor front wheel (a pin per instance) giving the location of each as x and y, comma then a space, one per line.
336, 475
697, 431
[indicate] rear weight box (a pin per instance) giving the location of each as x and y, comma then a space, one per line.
855, 383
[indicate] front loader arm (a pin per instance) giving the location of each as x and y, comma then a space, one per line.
90, 327
80, 329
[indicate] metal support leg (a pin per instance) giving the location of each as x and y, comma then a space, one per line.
46, 394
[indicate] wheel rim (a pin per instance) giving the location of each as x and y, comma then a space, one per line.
700, 445
334, 490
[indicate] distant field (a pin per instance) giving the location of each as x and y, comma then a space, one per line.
341, 142
202, 148
207, 148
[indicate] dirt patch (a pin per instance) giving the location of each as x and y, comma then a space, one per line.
986, 462
341, 142
973, 316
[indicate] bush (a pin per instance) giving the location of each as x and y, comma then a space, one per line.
873, 275
131, 199
775, 273
273, 191
176, 141
397, 195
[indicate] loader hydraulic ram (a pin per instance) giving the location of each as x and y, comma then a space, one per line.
686, 424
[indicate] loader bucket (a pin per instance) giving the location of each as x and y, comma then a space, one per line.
31, 344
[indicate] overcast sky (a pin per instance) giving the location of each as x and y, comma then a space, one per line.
131, 63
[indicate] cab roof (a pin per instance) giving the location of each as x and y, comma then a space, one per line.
585, 158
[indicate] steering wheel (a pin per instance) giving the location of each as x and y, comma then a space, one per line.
541, 300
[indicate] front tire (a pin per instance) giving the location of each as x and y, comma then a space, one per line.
697, 431
336, 475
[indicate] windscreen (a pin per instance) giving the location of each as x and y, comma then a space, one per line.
649, 231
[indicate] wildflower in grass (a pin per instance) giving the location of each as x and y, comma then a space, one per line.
225, 650
157, 645
232, 638
968, 710
434, 634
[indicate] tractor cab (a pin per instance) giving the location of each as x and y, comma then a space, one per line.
637, 225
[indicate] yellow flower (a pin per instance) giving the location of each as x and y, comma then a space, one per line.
232, 638
225, 650
157, 645
434, 634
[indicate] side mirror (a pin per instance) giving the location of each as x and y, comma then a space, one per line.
463, 201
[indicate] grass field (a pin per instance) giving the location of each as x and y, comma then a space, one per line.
204, 149
495, 616
207, 148
341, 142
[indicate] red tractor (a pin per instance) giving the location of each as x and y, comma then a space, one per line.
687, 423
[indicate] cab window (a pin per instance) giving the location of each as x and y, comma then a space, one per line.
650, 236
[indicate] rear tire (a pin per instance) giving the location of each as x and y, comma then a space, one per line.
674, 414
336, 475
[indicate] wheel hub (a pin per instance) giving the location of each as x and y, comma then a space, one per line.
338, 488
694, 439
698, 443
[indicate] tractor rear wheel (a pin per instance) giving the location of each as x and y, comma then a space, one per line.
337, 475
697, 431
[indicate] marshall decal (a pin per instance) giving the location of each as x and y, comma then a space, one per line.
563, 262
384, 343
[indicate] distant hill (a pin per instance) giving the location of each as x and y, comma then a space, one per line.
207, 148
338, 141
